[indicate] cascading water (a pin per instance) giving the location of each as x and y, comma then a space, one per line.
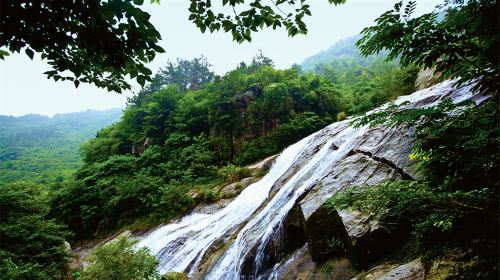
180, 246
261, 227
258, 212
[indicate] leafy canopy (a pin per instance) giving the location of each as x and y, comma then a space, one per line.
461, 41
103, 42
98, 42
246, 17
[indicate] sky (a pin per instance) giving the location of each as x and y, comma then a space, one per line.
24, 89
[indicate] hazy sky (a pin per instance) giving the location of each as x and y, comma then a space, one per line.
24, 89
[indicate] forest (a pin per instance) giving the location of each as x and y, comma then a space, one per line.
45, 150
188, 131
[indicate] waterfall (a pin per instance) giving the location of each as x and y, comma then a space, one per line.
248, 223
180, 246
260, 227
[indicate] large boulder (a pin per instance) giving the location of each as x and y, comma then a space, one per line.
287, 238
326, 235
234, 189
294, 230
300, 266
263, 165
369, 239
426, 77
412, 270
357, 169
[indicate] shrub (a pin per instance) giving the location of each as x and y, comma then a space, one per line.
232, 173
341, 116
119, 259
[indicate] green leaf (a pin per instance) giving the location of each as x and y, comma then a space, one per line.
30, 53
3, 54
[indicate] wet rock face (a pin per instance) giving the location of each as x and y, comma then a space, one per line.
273, 252
426, 77
357, 169
234, 189
289, 237
369, 240
263, 165
408, 271
297, 266
300, 266
326, 235
294, 230
390, 146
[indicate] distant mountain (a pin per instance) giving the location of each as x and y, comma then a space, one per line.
343, 51
42, 149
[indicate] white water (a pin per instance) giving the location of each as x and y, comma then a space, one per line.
181, 246
261, 227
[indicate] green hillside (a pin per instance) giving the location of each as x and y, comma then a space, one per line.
43, 150
340, 55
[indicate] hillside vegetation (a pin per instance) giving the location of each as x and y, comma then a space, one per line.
339, 56
45, 150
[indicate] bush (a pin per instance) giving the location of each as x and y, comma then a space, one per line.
232, 173
341, 116
120, 259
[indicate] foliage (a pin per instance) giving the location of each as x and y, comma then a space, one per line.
370, 80
188, 75
98, 42
109, 194
463, 45
31, 245
251, 16
462, 150
119, 259
45, 150
185, 74
234, 173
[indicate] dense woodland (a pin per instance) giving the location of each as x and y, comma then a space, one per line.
46, 150
189, 130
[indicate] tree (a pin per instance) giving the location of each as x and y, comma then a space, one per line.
98, 42
101, 42
464, 44
187, 74
31, 245
120, 259
184, 74
252, 16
